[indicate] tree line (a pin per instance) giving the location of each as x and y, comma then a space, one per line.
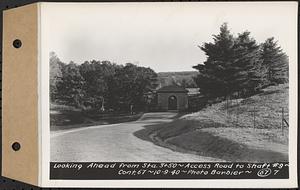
100, 85
239, 65
235, 65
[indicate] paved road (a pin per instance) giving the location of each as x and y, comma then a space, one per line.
115, 142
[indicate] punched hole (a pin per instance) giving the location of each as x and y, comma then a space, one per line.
16, 146
17, 43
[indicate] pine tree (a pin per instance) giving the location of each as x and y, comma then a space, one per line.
275, 61
214, 74
233, 65
248, 73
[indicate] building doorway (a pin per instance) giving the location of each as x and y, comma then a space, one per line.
172, 103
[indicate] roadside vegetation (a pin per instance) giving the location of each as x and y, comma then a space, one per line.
100, 86
97, 92
239, 114
66, 117
245, 88
214, 132
237, 66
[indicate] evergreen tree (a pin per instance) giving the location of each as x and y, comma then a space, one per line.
232, 65
248, 75
214, 75
275, 61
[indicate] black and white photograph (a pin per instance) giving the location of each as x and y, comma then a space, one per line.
200, 94
168, 87
170, 82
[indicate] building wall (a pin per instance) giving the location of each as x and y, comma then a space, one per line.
163, 99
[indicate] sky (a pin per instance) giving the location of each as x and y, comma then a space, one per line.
162, 36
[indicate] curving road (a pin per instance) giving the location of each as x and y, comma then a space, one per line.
116, 142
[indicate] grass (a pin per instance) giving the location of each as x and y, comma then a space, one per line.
230, 134
267, 106
65, 117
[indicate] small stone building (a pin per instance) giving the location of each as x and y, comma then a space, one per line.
172, 98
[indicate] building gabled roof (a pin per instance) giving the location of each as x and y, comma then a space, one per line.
172, 88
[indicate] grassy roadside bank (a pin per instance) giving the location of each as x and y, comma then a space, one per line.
214, 132
62, 119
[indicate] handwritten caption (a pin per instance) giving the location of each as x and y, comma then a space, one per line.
120, 170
